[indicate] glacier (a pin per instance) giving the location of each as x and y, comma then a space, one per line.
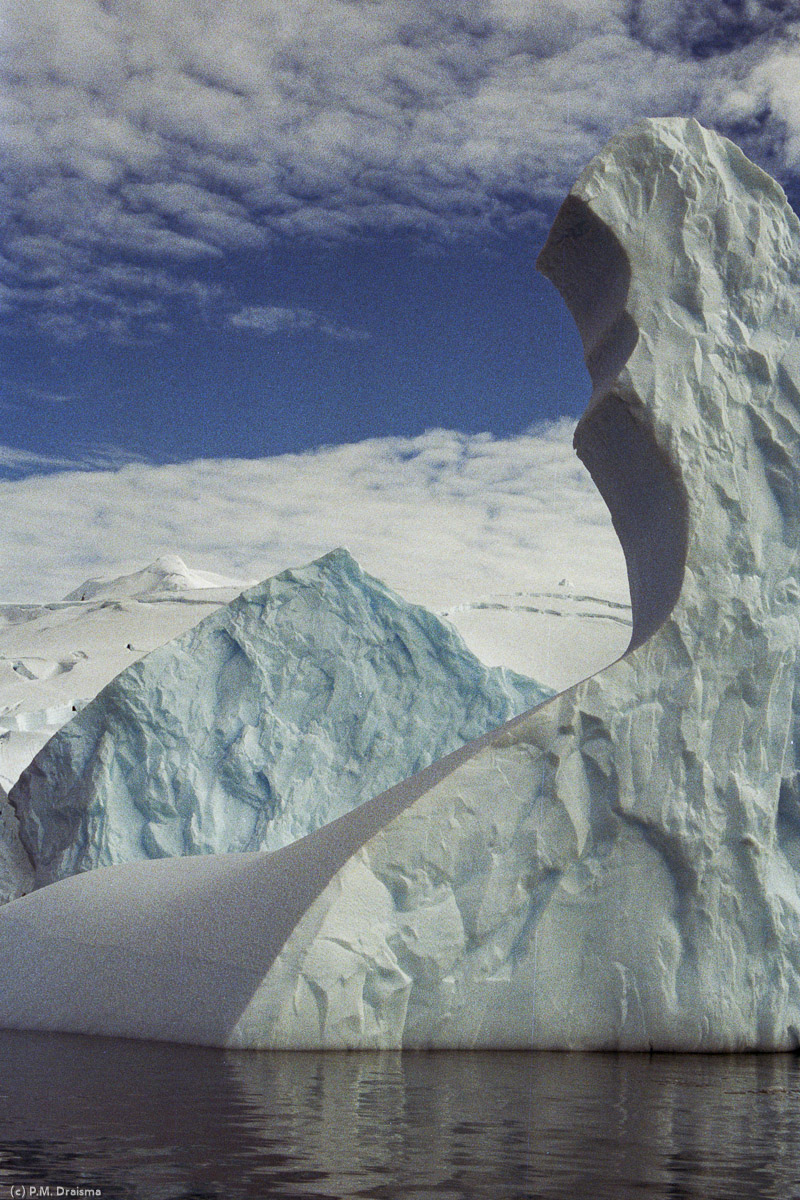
303, 697
618, 868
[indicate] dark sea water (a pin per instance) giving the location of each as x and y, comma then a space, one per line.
162, 1122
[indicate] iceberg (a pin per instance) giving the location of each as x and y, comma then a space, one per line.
618, 868
16, 872
300, 699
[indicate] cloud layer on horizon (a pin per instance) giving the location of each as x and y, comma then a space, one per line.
444, 518
141, 140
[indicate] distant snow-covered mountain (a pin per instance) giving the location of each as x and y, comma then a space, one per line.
168, 574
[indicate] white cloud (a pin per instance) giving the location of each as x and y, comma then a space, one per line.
179, 129
708, 27
28, 395
15, 462
444, 518
776, 83
269, 319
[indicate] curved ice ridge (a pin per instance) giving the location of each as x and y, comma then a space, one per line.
620, 867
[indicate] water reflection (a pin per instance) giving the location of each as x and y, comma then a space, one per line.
158, 1121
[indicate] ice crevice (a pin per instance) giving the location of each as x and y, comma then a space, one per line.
617, 868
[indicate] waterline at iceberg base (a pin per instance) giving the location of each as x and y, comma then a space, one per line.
617, 868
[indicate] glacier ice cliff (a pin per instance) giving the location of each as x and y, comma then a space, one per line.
619, 868
300, 699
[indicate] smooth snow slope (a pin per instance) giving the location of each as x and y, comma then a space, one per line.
619, 868
557, 634
305, 696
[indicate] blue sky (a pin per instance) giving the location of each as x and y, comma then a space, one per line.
254, 227
335, 344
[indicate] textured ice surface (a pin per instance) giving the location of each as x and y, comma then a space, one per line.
16, 873
305, 696
620, 867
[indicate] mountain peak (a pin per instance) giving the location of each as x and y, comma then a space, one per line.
168, 573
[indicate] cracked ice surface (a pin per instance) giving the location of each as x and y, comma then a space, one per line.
620, 867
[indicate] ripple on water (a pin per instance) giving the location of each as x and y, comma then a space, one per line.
160, 1121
